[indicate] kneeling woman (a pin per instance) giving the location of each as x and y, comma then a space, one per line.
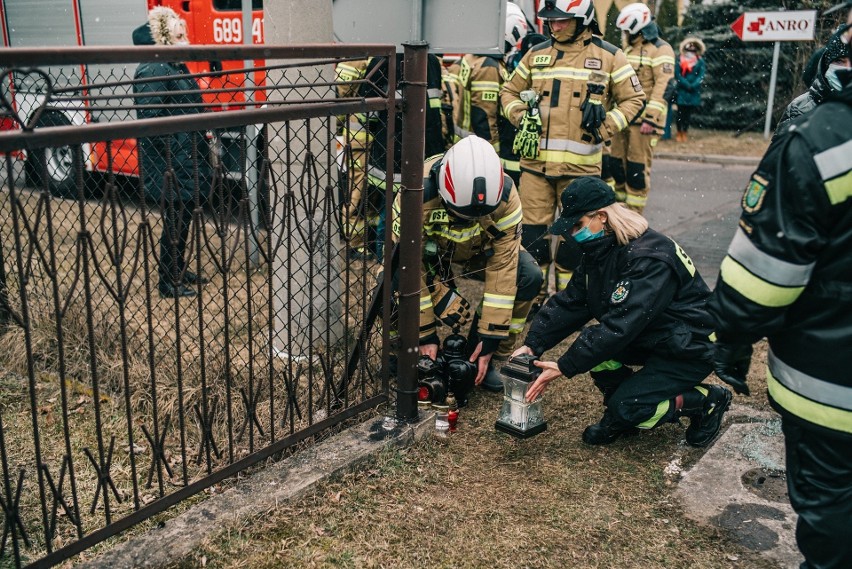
650, 305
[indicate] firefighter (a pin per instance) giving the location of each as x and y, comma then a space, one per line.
472, 218
650, 307
352, 162
376, 125
786, 277
168, 168
481, 78
632, 150
576, 77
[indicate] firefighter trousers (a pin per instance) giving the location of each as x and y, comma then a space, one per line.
645, 398
360, 204
630, 166
819, 481
529, 283
540, 200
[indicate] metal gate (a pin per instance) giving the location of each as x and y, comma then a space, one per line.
159, 338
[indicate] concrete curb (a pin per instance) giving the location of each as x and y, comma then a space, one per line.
286, 480
710, 158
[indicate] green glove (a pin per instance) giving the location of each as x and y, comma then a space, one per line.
529, 136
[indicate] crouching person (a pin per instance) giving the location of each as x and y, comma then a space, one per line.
650, 305
472, 221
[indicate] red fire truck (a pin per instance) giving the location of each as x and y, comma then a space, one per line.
55, 23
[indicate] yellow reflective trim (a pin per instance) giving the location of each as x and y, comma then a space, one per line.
702, 390
662, 409
817, 413
498, 300
512, 165
508, 109
620, 75
516, 326
839, 189
510, 220
562, 279
425, 302
561, 73
452, 234
619, 118
609, 365
565, 157
522, 71
657, 105
484, 86
756, 289
663, 59
639, 201
434, 103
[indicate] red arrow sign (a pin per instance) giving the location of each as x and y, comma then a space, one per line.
738, 26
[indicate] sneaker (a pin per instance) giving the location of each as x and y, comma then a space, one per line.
168, 290
606, 431
705, 427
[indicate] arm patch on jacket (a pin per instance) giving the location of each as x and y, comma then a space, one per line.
593, 63
637, 86
619, 295
754, 194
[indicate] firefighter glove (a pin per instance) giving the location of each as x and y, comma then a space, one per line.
451, 308
528, 137
731, 363
593, 110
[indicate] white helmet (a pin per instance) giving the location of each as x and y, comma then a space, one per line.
633, 18
584, 10
470, 179
516, 27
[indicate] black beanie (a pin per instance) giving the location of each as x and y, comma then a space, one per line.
835, 49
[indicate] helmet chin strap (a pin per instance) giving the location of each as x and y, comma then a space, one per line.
579, 28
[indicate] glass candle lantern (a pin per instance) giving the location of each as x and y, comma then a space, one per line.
518, 417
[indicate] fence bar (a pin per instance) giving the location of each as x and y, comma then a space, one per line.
410, 240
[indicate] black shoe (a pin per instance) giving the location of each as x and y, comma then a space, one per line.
191, 278
493, 380
168, 290
704, 427
359, 254
606, 431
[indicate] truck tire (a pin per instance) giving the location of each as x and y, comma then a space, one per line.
61, 163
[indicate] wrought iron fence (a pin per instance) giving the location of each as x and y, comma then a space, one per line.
176, 303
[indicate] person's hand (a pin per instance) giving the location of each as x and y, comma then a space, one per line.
647, 128
731, 363
430, 350
528, 137
452, 309
481, 364
523, 351
549, 373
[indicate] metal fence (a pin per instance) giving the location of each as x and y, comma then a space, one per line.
161, 332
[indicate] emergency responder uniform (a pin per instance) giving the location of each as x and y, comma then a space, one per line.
453, 95
376, 127
572, 74
632, 150
353, 143
649, 302
786, 277
485, 247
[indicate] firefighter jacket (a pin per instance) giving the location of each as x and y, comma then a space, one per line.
646, 296
454, 96
788, 272
653, 62
351, 128
559, 73
481, 77
377, 123
447, 239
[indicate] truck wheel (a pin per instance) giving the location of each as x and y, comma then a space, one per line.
60, 163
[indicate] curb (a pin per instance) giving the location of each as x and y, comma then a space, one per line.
263, 491
710, 158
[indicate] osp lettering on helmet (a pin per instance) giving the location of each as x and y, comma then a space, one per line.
633, 18
470, 178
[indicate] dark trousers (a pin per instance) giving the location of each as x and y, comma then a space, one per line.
819, 481
177, 217
633, 398
684, 117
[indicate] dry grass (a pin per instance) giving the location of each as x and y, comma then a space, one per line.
719, 142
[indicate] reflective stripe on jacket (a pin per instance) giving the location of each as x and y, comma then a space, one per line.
653, 62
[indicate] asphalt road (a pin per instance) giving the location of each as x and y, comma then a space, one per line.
698, 205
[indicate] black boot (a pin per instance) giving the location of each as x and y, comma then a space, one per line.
605, 431
168, 290
493, 380
705, 422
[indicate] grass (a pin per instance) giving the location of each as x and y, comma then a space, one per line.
717, 142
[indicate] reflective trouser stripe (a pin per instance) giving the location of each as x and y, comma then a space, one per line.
609, 365
516, 326
562, 279
635, 200
816, 413
425, 303
662, 409
756, 289
498, 300
620, 195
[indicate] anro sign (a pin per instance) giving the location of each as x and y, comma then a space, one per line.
776, 26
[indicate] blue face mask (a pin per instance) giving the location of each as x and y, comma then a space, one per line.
585, 234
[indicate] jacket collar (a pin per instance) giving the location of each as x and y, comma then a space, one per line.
597, 250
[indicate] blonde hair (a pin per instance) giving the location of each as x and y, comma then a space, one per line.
625, 223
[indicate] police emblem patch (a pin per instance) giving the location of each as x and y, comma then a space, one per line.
622, 289
754, 194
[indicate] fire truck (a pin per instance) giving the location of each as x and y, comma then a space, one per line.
56, 23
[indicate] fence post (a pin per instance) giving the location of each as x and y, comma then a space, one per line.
411, 221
